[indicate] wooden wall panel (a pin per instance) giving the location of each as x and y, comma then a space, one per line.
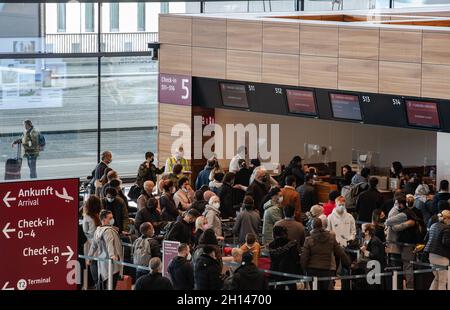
165, 141
436, 48
318, 71
319, 40
244, 35
359, 43
281, 38
209, 32
175, 59
403, 46
358, 75
171, 114
243, 65
280, 68
436, 81
400, 78
175, 30
209, 62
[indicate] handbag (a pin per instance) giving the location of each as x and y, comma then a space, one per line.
134, 192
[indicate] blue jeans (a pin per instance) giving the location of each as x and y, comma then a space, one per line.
31, 160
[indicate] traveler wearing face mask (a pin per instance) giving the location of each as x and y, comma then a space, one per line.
147, 170
378, 220
180, 269
178, 158
247, 221
145, 247
201, 224
146, 194
342, 223
117, 206
183, 227
258, 189
169, 210
212, 215
273, 212
185, 195
106, 244
438, 247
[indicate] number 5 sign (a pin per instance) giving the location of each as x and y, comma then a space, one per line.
175, 89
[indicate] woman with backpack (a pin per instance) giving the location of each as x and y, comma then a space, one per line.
145, 248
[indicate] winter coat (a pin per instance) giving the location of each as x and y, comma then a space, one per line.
119, 211
319, 249
291, 196
106, 244
168, 207
212, 214
308, 196
246, 222
343, 226
207, 273
366, 203
438, 240
272, 214
152, 282
181, 273
295, 230
225, 193
258, 191
147, 173
199, 205
248, 277
183, 200
181, 232
284, 256
203, 177
255, 249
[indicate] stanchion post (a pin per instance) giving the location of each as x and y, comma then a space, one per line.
448, 278
85, 278
315, 284
395, 280
110, 274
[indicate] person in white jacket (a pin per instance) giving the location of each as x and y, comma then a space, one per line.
212, 214
106, 244
342, 223
185, 195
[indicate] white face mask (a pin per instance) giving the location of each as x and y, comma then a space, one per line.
340, 209
280, 199
189, 256
216, 205
184, 189
111, 222
110, 199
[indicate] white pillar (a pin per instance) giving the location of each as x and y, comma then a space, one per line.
442, 157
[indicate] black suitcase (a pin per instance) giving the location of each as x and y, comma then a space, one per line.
13, 166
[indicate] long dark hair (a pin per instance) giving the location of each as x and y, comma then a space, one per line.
295, 161
274, 191
92, 208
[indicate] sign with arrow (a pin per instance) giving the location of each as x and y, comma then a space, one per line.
39, 233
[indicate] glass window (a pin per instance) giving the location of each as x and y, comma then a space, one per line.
61, 17
164, 7
141, 16
89, 17
129, 110
59, 96
114, 17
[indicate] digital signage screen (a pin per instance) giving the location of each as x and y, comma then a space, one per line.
422, 113
301, 102
345, 106
234, 95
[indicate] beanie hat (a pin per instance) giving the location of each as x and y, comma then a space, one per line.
316, 210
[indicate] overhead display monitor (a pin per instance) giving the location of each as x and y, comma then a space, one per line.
422, 113
234, 95
345, 106
301, 102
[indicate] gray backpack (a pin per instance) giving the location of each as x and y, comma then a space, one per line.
141, 251
351, 194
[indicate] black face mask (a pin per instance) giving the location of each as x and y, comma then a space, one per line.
152, 160
264, 179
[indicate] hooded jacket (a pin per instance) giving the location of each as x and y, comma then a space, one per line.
207, 273
181, 273
212, 214
319, 249
181, 232
248, 277
284, 256
246, 222
272, 214
106, 244
343, 225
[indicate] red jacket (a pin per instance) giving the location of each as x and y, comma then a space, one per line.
328, 207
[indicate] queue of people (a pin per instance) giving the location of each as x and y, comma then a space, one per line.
283, 217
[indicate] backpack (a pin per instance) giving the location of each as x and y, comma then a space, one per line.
141, 251
352, 192
41, 142
167, 229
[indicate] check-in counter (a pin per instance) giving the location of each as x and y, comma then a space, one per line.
323, 189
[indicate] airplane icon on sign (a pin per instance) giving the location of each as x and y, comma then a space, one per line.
64, 195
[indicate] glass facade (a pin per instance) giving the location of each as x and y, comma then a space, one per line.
141, 16
89, 19
61, 17
114, 17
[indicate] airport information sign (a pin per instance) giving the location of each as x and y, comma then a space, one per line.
175, 89
38, 241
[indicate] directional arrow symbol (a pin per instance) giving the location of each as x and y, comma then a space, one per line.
7, 199
7, 230
6, 288
69, 254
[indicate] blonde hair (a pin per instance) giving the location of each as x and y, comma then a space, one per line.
444, 215
199, 222
236, 251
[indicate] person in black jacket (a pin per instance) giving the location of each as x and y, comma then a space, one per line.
147, 171
168, 208
442, 205
225, 193
348, 175
443, 194
368, 201
378, 219
243, 175
284, 255
438, 246
150, 214
207, 271
183, 227
154, 280
308, 195
199, 203
373, 247
258, 189
247, 276
295, 168
180, 269
116, 205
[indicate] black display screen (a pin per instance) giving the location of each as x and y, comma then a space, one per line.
345, 106
234, 95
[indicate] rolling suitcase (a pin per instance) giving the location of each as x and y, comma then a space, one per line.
14, 165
